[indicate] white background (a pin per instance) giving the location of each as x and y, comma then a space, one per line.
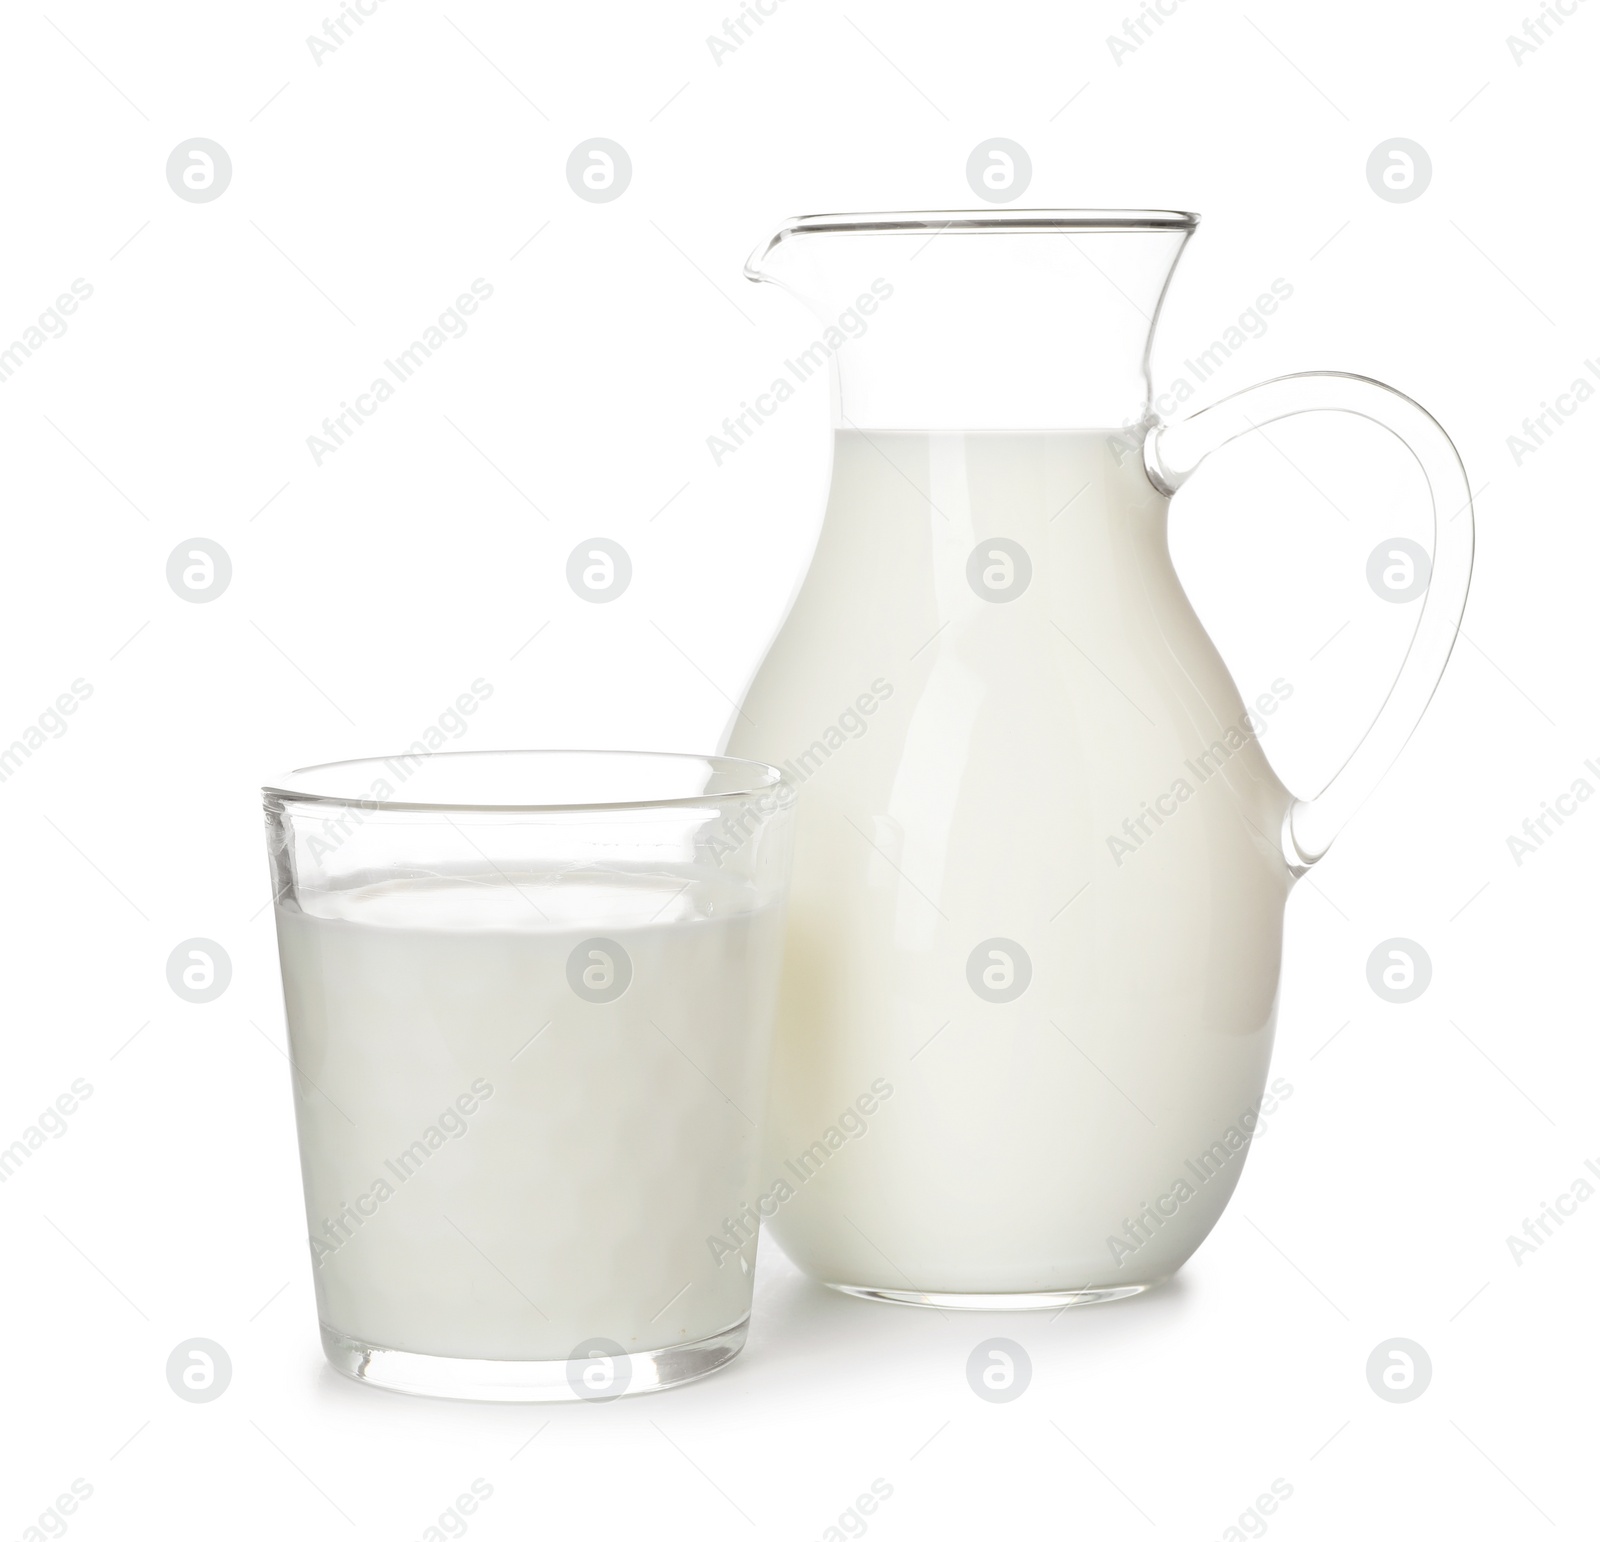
368, 592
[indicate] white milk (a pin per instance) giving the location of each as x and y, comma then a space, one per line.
497, 1169
965, 767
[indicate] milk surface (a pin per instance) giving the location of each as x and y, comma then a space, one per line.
1019, 755
497, 1167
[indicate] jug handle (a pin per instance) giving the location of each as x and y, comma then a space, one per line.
1172, 452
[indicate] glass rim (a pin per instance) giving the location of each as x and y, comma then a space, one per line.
969, 221
756, 777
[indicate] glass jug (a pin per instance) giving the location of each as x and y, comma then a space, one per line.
1041, 862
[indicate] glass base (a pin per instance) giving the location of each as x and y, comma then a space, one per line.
994, 1301
532, 1381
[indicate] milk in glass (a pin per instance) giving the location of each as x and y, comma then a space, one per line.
528, 1106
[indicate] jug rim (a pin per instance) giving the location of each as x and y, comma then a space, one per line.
972, 221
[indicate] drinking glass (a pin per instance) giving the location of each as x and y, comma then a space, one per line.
530, 999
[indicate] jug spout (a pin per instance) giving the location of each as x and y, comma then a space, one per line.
973, 321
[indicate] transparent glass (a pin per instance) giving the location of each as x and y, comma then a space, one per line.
530, 1000
1041, 861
